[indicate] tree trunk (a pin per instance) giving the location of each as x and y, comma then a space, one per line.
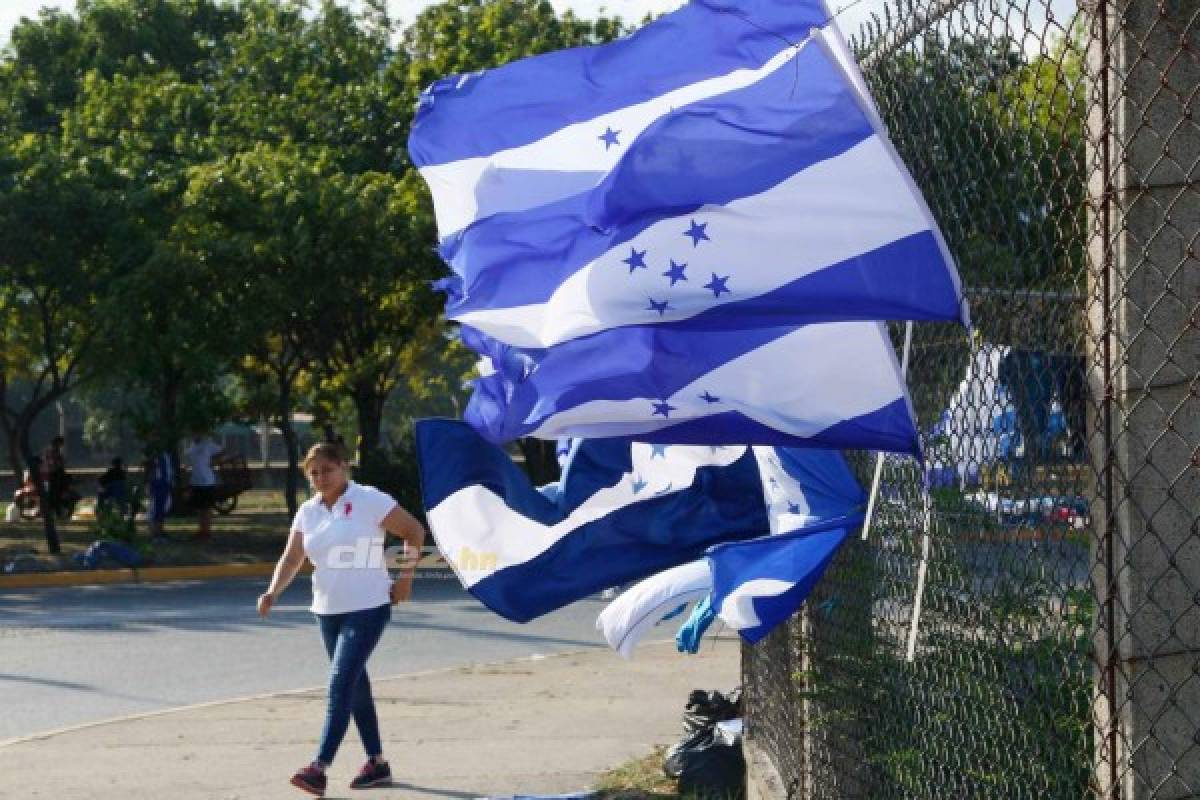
541, 461
284, 414
368, 402
9, 430
33, 463
168, 432
14, 452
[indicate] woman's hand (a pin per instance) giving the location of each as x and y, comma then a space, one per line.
402, 590
265, 601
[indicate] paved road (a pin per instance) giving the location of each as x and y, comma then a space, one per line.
69, 656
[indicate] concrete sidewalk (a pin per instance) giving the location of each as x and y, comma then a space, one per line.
532, 726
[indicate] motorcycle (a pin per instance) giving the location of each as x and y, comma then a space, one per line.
29, 504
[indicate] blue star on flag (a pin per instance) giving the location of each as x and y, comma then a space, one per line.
718, 285
638, 484
793, 508
664, 409
636, 260
675, 273
661, 308
609, 137
696, 233
709, 397
657, 450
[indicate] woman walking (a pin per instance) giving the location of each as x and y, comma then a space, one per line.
341, 531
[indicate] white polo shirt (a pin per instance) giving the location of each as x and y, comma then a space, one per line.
345, 545
199, 456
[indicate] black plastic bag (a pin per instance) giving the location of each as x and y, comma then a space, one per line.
706, 708
708, 763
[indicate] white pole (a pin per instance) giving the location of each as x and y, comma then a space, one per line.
866, 528
922, 568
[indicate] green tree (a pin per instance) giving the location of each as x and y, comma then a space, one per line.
259, 214
177, 315
452, 38
54, 270
123, 84
331, 90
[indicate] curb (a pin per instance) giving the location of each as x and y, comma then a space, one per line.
100, 577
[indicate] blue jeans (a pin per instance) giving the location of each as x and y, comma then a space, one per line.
349, 640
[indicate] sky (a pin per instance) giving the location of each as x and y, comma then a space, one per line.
851, 13
405, 10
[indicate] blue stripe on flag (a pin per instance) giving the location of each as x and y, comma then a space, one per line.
451, 456
479, 114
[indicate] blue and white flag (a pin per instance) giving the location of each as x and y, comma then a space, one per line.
623, 511
832, 385
721, 166
761, 583
813, 502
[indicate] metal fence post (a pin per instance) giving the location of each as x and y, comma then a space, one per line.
1144, 344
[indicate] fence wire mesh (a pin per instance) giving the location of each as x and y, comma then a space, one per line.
1057, 647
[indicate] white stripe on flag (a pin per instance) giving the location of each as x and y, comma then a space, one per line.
738, 609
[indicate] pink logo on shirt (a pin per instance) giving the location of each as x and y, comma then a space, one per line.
349, 506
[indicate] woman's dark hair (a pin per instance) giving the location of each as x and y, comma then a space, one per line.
326, 451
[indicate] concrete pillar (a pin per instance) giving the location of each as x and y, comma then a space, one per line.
1144, 348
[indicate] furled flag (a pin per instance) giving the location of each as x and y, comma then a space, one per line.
812, 501
622, 511
761, 583
723, 166
628, 619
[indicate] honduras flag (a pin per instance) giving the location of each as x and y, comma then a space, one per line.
833, 385
723, 166
623, 511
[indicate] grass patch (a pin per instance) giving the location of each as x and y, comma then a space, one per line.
643, 779
640, 779
256, 532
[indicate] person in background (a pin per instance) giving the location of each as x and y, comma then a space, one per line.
113, 487
341, 530
54, 470
160, 478
200, 454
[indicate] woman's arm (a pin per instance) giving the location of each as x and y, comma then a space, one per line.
285, 571
400, 523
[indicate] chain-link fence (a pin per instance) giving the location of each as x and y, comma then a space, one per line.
1029, 627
